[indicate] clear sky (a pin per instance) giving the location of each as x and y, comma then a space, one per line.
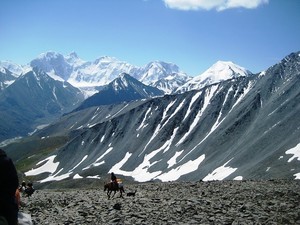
193, 34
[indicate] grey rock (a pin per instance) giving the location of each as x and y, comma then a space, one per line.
234, 202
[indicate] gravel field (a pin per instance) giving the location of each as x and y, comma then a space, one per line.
218, 202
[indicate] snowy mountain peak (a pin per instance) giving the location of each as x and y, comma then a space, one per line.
74, 60
293, 57
124, 76
54, 64
73, 55
35, 74
161, 66
50, 55
14, 68
221, 70
157, 70
127, 83
124, 88
50, 58
105, 59
122, 81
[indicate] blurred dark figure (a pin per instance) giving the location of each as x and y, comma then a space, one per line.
22, 186
9, 184
113, 179
29, 189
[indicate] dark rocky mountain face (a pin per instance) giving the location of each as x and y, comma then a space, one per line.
122, 89
34, 99
243, 128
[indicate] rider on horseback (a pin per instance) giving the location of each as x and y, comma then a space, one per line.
113, 179
114, 185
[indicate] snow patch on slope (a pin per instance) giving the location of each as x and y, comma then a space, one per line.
177, 172
49, 167
295, 152
220, 173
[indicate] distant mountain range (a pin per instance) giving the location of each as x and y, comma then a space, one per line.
100, 82
103, 70
246, 126
89, 75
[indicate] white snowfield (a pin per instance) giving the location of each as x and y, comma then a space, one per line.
49, 167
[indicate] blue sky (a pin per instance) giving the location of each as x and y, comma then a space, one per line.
194, 34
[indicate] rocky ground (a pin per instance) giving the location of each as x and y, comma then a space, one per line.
226, 202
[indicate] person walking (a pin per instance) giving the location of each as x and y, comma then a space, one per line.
9, 184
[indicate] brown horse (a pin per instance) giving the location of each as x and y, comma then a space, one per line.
110, 187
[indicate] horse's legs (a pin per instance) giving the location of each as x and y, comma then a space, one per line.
121, 196
122, 191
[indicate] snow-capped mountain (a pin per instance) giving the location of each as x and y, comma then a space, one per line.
103, 70
9, 72
170, 83
54, 64
74, 60
100, 72
122, 89
15, 69
242, 128
220, 71
88, 76
157, 70
34, 98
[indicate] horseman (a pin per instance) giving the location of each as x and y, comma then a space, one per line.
113, 179
114, 185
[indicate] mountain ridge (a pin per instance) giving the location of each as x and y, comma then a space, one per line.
89, 75
242, 128
34, 99
124, 88
102, 70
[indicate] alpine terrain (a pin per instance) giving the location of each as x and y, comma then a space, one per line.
220, 71
122, 89
244, 127
64, 75
88, 75
34, 99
